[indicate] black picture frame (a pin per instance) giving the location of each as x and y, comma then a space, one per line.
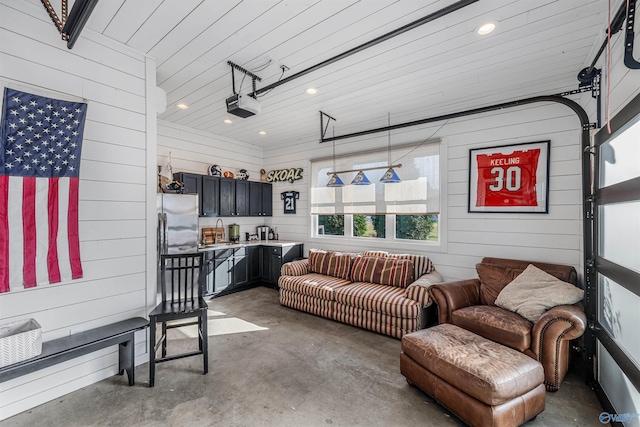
511, 178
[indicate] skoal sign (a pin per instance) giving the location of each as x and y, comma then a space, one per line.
290, 175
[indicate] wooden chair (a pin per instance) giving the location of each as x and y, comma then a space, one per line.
182, 284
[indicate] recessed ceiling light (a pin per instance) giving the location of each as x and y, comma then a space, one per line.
262, 132
182, 106
486, 28
312, 91
228, 121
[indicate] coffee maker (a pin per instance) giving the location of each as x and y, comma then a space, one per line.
263, 232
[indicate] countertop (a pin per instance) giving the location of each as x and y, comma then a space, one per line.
276, 243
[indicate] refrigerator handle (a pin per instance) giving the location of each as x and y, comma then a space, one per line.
159, 236
164, 232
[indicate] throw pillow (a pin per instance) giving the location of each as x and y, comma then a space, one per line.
383, 271
330, 263
534, 291
493, 278
422, 264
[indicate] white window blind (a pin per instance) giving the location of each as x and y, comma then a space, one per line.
418, 193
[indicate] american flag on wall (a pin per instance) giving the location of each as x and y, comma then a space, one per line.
40, 140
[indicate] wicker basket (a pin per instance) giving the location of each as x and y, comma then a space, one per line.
19, 340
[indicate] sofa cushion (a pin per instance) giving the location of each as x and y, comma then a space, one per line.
330, 263
313, 284
378, 298
383, 271
535, 291
422, 264
382, 254
493, 278
317, 306
375, 321
496, 324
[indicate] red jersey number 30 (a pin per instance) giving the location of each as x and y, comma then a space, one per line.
508, 179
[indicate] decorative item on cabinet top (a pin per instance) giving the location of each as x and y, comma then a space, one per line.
174, 187
216, 170
242, 175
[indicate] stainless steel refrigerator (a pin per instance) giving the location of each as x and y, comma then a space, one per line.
177, 223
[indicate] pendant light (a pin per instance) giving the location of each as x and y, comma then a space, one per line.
390, 176
335, 180
361, 179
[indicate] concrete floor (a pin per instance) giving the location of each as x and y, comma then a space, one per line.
301, 371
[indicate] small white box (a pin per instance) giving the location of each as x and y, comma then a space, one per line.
19, 340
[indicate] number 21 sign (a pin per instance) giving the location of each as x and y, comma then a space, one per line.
510, 178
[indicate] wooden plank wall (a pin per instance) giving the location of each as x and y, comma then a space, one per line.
113, 192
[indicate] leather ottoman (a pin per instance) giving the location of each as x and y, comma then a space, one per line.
480, 381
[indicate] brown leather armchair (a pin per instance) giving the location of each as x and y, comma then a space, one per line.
470, 304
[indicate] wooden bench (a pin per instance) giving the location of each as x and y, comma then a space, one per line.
67, 348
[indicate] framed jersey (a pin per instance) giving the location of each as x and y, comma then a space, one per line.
290, 198
510, 178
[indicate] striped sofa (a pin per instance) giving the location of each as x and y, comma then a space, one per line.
383, 292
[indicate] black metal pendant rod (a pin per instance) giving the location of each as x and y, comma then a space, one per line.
431, 17
551, 98
323, 128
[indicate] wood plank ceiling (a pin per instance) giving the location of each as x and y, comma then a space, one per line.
538, 48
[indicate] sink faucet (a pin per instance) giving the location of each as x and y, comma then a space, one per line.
215, 238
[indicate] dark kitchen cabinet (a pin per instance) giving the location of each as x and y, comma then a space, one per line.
255, 198
192, 182
272, 259
253, 262
240, 268
223, 270
227, 271
260, 199
270, 263
267, 199
233, 197
236, 268
227, 197
210, 196
242, 198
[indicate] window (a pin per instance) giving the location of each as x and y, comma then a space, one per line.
417, 227
403, 211
331, 224
369, 225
